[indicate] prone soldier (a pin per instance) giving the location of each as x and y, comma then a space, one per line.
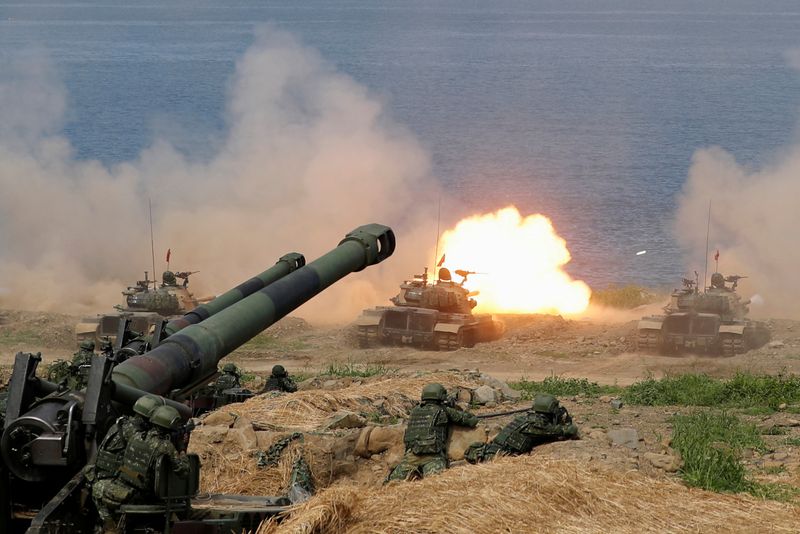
229, 379
426, 434
546, 421
279, 380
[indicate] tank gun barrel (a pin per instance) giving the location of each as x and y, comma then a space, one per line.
193, 353
285, 265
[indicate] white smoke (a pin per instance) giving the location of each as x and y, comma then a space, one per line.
308, 155
754, 218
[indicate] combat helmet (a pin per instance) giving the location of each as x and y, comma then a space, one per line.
146, 405
87, 344
545, 403
434, 392
166, 417
168, 279
278, 370
229, 368
717, 280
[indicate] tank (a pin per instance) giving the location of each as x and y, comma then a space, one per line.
144, 305
436, 315
51, 433
712, 321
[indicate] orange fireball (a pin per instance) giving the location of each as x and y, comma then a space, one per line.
519, 263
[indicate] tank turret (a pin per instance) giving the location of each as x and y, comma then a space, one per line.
714, 320
50, 434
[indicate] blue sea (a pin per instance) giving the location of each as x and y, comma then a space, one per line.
586, 110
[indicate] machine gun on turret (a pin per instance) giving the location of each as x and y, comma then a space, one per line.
734, 279
464, 274
50, 434
184, 275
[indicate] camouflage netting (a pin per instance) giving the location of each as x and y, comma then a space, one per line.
534, 494
305, 411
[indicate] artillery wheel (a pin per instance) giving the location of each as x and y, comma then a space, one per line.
447, 341
733, 345
648, 340
367, 336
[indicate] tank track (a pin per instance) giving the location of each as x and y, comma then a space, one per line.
648, 340
733, 345
446, 341
367, 336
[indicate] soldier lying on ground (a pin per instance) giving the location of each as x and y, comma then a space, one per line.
546, 421
426, 435
279, 381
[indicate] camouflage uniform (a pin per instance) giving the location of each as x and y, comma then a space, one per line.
229, 379
109, 488
74, 374
546, 421
426, 435
279, 381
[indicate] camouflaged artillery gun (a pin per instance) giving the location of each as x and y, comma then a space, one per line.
434, 315
145, 303
51, 434
714, 321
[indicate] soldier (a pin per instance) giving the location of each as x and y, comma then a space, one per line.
84, 354
279, 381
135, 478
168, 279
718, 281
426, 435
546, 421
229, 378
107, 348
112, 449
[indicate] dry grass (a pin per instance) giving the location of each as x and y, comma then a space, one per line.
305, 411
535, 494
236, 471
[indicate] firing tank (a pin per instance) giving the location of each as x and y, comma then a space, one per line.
712, 321
51, 434
436, 315
145, 303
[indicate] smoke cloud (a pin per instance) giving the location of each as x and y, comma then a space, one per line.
308, 155
754, 219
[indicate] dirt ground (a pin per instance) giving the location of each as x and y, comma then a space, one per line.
535, 346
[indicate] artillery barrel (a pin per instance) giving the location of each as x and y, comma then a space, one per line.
285, 265
194, 352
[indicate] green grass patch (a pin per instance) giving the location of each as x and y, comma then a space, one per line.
711, 446
266, 341
794, 442
774, 430
744, 390
25, 337
357, 370
624, 297
556, 385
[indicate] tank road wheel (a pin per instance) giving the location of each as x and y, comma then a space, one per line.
733, 345
648, 340
367, 336
447, 341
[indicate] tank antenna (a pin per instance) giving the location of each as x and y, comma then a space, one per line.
152, 244
436, 254
708, 227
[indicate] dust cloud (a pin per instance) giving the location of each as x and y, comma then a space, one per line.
308, 155
754, 222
